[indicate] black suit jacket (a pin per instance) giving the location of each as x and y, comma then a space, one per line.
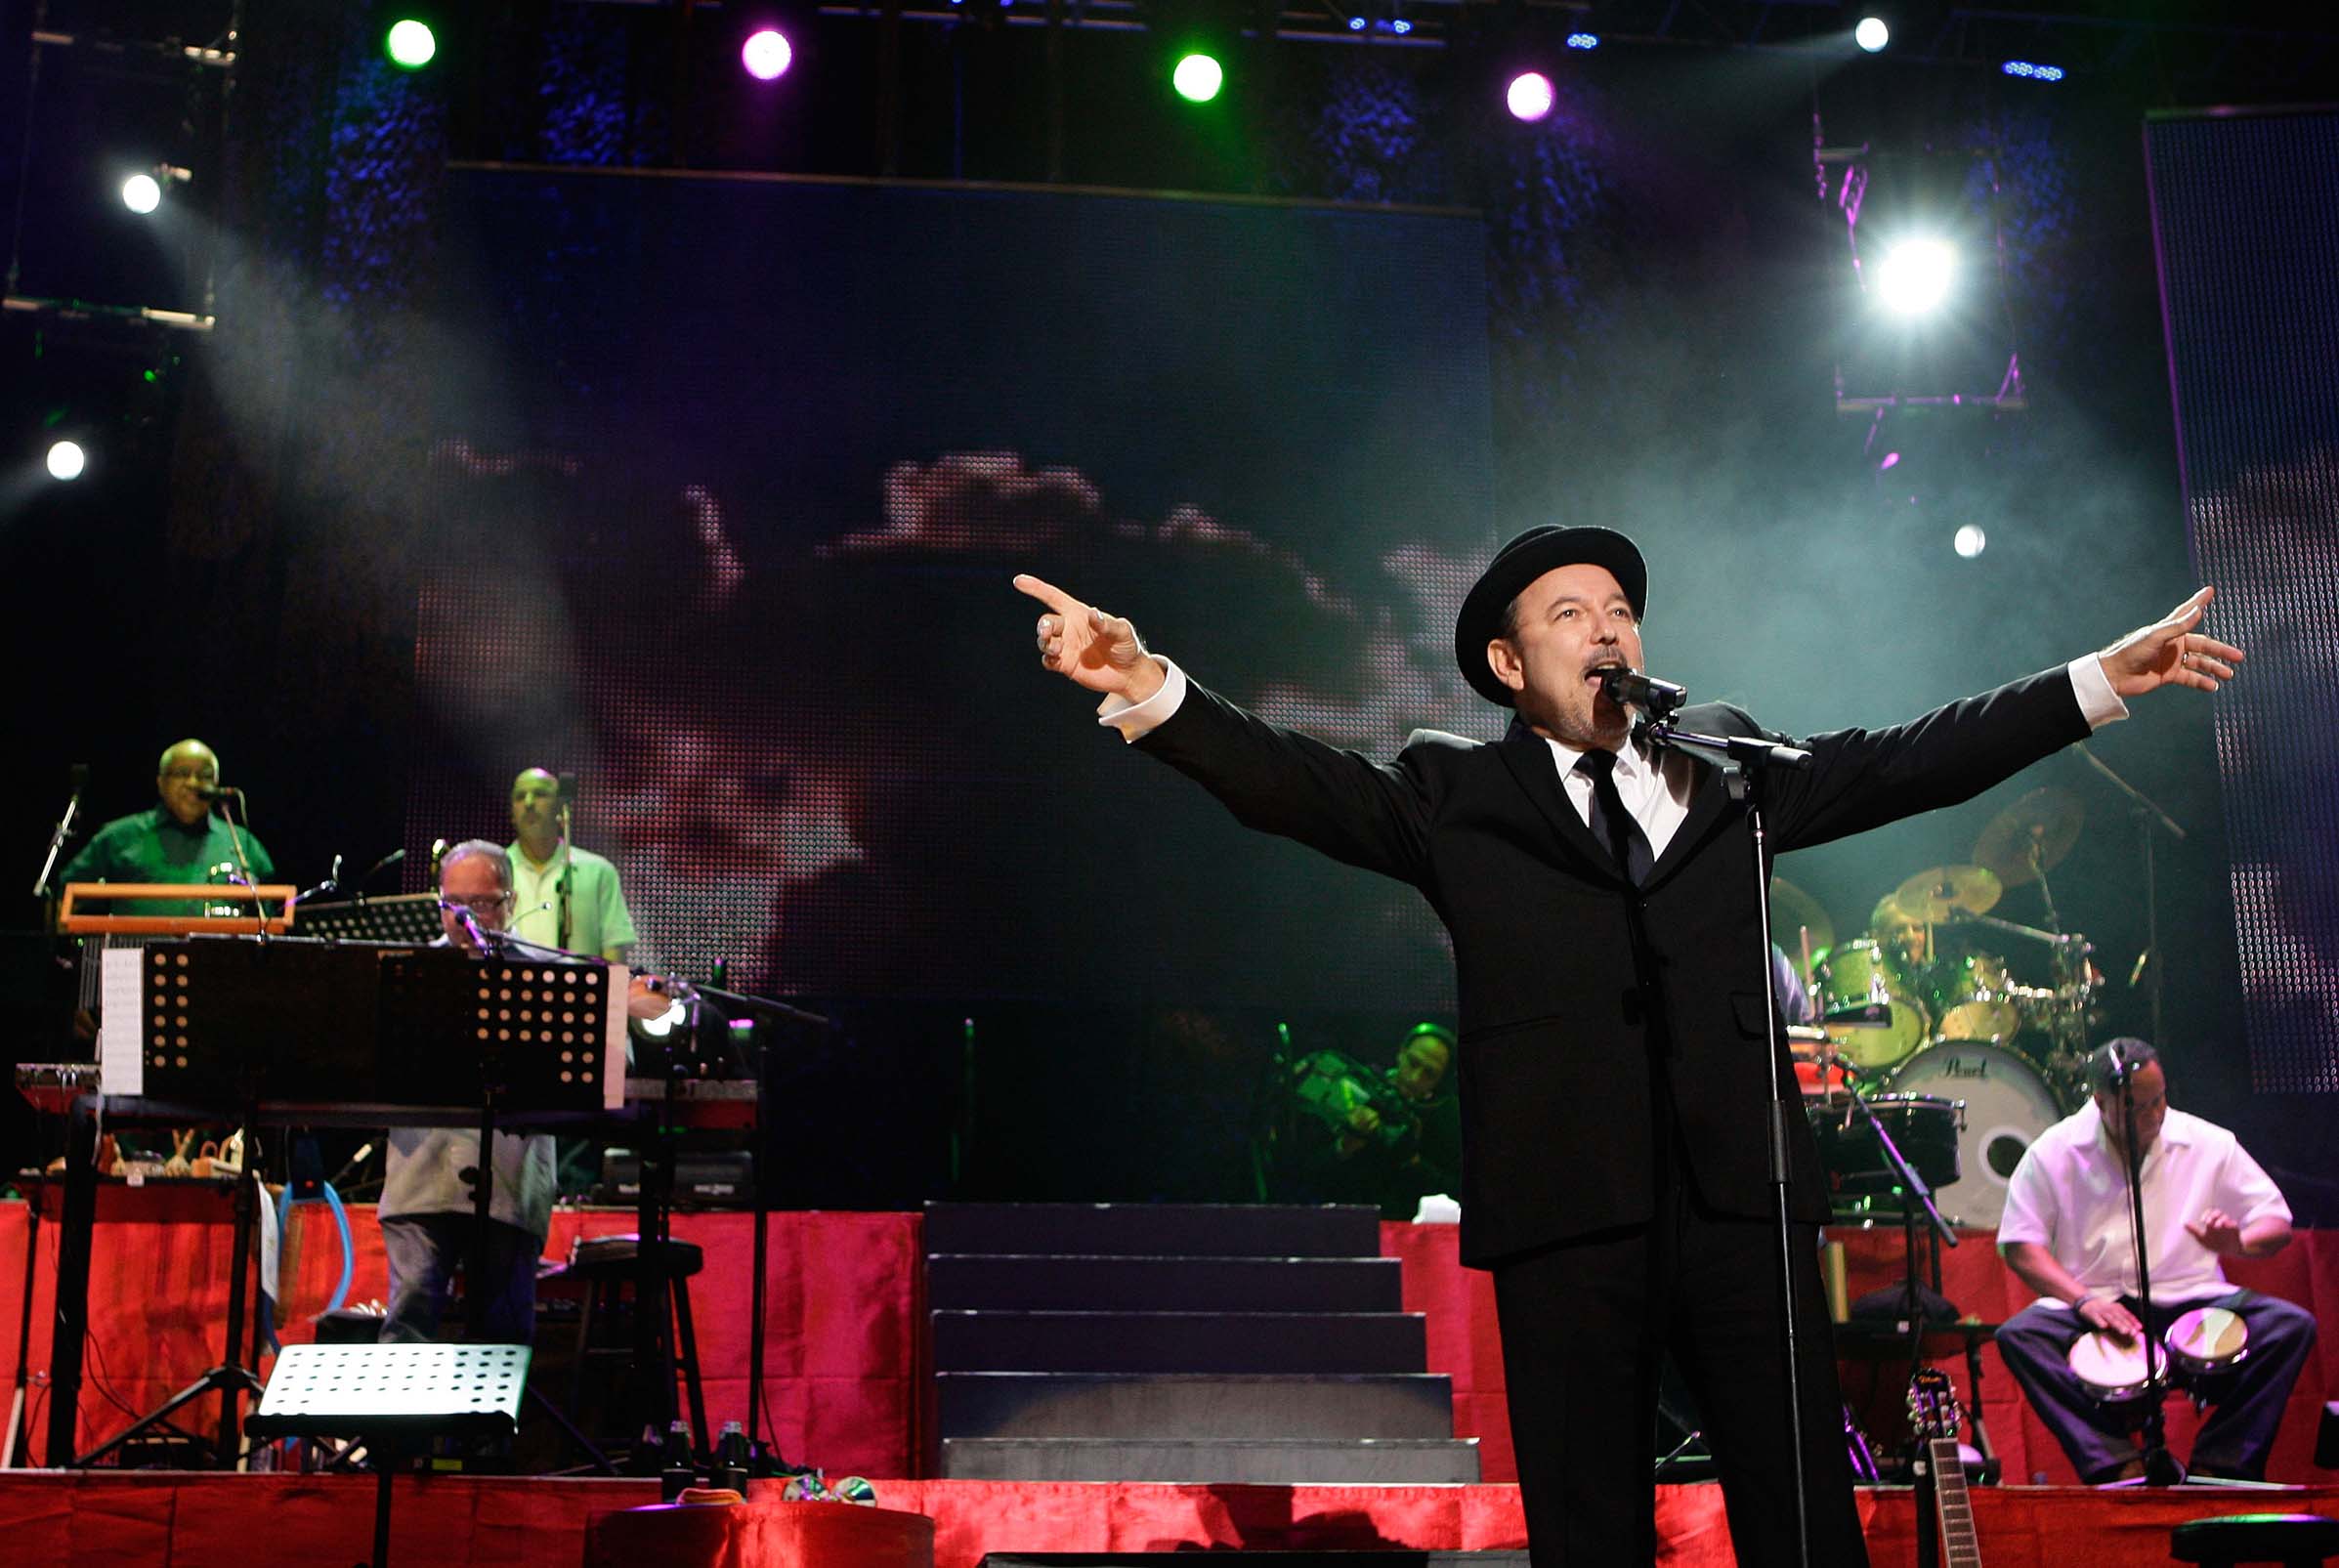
1589, 1004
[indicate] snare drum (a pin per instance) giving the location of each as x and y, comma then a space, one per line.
2113, 1369
1872, 1019
2207, 1341
1922, 1127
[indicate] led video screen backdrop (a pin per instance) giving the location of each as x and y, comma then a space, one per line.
735, 471
2250, 280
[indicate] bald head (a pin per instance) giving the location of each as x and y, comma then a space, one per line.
184, 768
536, 812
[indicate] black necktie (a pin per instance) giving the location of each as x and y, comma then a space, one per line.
1611, 823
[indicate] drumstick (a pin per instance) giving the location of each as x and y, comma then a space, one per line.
1810, 978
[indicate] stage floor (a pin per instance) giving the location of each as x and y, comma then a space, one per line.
155, 1519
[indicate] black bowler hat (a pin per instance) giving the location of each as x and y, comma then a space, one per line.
1520, 562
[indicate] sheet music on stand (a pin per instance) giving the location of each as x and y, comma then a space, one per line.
403, 917
206, 1020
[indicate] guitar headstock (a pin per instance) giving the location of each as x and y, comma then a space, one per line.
1932, 1403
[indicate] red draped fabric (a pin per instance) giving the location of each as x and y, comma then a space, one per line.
1464, 1342
842, 1375
840, 1319
155, 1520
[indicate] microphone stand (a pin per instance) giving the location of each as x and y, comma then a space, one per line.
2160, 1465
78, 780
567, 872
2147, 814
1752, 756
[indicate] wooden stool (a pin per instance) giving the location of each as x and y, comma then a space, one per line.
2294, 1540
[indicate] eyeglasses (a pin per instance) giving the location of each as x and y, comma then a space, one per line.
193, 774
477, 903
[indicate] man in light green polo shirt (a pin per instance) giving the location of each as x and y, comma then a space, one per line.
562, 896
180, 841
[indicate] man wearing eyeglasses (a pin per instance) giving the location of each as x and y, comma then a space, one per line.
179, 840
428, 1200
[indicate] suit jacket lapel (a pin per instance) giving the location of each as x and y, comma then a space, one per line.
1709, 802
1529, 758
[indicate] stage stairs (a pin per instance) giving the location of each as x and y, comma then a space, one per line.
1179, 1342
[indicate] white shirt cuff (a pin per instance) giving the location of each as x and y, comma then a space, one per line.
2098, 701
1133, 719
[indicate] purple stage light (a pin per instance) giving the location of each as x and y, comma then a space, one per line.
1529, 95
767, 55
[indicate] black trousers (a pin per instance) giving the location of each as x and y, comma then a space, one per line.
2036, 1343
1584, 1325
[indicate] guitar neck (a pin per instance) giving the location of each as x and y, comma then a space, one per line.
1960, 1546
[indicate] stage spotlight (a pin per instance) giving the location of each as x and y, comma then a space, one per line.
141, 192
66, 459
410, 44
1915, 275
2033, 73
1529, 96
1971, 541
1198, 77
767, 55
1872, 35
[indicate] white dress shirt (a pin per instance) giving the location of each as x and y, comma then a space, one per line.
2070, 1195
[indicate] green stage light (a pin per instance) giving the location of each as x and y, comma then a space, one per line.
1198, 78
410, 44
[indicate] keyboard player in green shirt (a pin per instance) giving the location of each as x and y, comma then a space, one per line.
180, 841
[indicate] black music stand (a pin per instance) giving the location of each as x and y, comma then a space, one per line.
406, 918
392, 1398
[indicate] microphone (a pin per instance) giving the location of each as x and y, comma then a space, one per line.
1655, 697
478, 933
382, 865
2120, 1062
204, 791
2144, 960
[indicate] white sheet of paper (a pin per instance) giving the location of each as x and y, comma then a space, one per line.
121, 1062
612, 1041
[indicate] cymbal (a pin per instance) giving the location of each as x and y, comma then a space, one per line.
2048, 817
1791, 912
1933, 894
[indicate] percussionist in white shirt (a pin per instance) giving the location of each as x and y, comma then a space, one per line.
2066, 1233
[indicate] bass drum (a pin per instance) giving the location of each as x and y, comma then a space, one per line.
2008, 1105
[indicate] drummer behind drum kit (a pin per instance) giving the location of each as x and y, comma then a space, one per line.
1963, 1067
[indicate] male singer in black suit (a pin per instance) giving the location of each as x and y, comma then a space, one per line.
1611, 964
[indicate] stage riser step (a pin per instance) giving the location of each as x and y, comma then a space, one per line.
1259, 1560
961, 1281
1154, 1230
1263, 1342
1417, 1463
989, 1404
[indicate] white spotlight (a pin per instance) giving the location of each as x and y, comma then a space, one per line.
1872, 35
67, 460
141, 192
1971, 541
1915, 275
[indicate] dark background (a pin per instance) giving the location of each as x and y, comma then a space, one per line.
1666, 303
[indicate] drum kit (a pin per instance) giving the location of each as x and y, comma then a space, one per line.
1963, 1065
